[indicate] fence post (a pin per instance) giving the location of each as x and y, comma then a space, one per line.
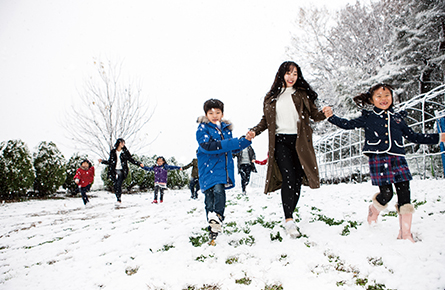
441, 129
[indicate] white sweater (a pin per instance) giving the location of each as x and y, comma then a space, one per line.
287, 115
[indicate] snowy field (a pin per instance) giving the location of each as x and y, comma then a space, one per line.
58, 244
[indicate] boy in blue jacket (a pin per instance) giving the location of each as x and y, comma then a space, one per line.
215, 162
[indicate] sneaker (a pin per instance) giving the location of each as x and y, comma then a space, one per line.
212, 238
292, 230
154, 201
161, 201
88, 205
215, 222
118, 204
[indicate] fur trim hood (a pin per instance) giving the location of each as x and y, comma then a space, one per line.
204, 119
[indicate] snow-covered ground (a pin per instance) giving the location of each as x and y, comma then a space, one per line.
58, 244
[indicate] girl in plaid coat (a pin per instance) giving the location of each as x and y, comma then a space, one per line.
384, 130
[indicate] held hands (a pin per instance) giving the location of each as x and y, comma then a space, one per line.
327, 112
442, 137
250, 135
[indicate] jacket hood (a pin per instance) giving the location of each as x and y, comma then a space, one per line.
204, 119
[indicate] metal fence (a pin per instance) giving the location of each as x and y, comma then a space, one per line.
339, 154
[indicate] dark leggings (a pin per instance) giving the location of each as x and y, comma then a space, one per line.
289, 164
386, 193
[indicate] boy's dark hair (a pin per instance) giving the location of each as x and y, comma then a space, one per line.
365, 98
213, 104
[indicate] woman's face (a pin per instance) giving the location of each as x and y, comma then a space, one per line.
121, 145
382, 98
291, 77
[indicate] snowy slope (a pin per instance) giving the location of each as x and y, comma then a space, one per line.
58, 244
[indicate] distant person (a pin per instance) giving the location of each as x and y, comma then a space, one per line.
194, 178
84, 178
161, 173
215, 162
384, 130
118, 167
287, 109
245, 161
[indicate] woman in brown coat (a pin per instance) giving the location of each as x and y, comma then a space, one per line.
287, 108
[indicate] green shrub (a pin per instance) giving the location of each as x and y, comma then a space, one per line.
16, 171
49, 166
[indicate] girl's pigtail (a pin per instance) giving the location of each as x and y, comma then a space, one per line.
363, 99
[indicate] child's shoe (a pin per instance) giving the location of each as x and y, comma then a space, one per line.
212, 238
292, 230
161, 201
374, 209
155, 201
215, 222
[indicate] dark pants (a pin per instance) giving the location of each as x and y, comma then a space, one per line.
403, 193
118, 180
161, 193
244, 171
83, 191
194, 187
215, 200
290, 167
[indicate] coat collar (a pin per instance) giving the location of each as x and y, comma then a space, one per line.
378, 111
224, 123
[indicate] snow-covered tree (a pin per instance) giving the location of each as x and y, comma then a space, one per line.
106, 109
16, 172
418, 47
49, 166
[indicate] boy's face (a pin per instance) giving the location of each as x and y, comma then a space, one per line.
214, 115
84, 166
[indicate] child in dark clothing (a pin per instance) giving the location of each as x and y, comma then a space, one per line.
194, 179
161, 169
84, 178
384, 130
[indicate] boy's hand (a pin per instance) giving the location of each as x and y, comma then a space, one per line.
442, 137
328, 112
250, 135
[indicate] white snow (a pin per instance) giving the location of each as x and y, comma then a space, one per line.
58, 244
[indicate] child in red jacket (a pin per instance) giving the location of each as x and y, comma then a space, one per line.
84, 178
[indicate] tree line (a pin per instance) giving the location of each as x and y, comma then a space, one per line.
46, 171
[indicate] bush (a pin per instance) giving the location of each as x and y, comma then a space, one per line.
16, 172
49, 165
71, 168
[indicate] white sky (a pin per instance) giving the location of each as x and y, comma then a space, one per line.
183, 53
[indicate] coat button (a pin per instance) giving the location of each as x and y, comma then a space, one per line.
386, 126
386, 142
386, 133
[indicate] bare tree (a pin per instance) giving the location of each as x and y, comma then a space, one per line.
108, 108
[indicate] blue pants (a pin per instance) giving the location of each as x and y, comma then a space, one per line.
194, 187
215, 200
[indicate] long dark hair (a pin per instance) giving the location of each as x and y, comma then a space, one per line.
365, 98
279, 84
118, 141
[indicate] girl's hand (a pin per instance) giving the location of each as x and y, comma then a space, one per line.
180, 169
142, 165
100, 160
250, 135
442, 137
328, 112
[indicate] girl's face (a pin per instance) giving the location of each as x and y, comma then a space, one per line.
382, 98
215, 116
85, 166
291, 77
159, 162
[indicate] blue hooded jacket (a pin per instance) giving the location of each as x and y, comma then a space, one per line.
215, 162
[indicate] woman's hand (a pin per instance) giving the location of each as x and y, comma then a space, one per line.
250, 135
100, 160
328, 112
442, 137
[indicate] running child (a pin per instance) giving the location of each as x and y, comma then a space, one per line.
384, 130
84, 178
215, 162
161, 169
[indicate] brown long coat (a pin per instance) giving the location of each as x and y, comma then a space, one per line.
305, 150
